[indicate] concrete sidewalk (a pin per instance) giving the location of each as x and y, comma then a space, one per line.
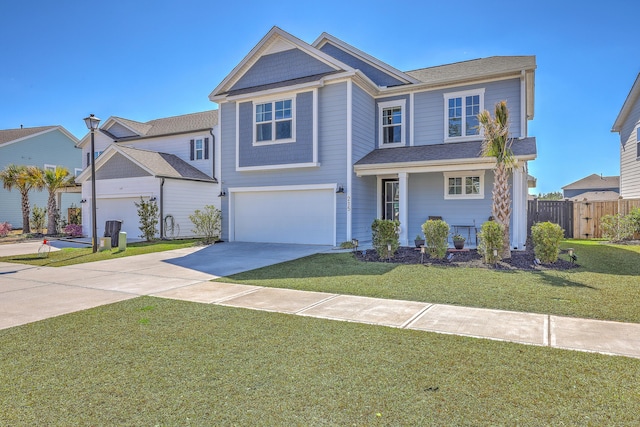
28, 294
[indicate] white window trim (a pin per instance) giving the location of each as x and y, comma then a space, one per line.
273, 141
462, 95
447, 175
77, 171
195, 148
402, 103
50, 167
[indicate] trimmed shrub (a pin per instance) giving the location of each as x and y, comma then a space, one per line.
73, 230
617, 228
5, 228
207, 223
490, 239
148, 213
385, 232
546, 237
436, 234
634, 217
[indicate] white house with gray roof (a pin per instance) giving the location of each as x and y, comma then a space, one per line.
171, 160
627, 124
318, 140
45, 147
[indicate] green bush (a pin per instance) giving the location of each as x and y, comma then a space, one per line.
148, 214
38, 219
617, 228
207, 223
546, 237
436, 233
385, 232
634, 216
490, 238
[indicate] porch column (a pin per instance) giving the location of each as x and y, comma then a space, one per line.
403, 188
519, 209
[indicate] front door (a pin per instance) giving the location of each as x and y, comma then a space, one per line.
391, 199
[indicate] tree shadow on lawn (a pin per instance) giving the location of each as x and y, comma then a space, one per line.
605, 258
561, 280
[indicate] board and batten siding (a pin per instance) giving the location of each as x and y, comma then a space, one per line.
363, 192
280, 67
181, 198
429, 109
629, 160
51, 148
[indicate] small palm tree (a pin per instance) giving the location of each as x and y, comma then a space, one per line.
497, 144
24, 178
53, 180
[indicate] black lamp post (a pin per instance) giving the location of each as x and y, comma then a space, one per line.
92, 123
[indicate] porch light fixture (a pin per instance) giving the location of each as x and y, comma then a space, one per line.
92, 123
222, 193
83, 201
152, 199
340, 189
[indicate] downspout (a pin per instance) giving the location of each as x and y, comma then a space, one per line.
162, 209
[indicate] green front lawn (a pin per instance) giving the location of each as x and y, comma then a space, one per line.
71, 256
150, 361
606, 286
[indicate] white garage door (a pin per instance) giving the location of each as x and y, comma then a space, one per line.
290, 216
122, 209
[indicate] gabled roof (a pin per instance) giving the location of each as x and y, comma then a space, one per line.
10, 136
596, 195
160, 165
594, 181
475, 68
432, 154
632, 97
185, 123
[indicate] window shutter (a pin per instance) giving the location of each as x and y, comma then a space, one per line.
192, 150
206, 148
88, 159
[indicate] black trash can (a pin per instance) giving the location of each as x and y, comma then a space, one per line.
112, 229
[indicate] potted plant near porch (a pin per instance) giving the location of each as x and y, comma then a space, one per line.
419, 241
458, 241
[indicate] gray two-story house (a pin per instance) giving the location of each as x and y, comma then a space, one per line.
318, 140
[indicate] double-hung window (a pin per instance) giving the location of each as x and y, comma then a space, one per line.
392, 123
274, 121
198, 149
461, 114
464, 185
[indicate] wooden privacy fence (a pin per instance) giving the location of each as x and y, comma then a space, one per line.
587, 215
560, 212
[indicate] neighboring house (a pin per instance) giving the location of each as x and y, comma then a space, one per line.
593, 187
627, 124
45, 147
170, 160
318, 140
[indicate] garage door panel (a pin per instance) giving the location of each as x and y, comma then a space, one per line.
297, 216
122, 209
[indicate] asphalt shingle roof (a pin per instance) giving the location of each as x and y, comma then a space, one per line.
171, 125
436, 152
165, 165
594, 181
9, 135
493, 65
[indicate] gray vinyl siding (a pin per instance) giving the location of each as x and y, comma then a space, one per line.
279, 67
118, 167
363, 192
332, 135
299, 151
426, 198
629, 159
120, 131
51, 148
406, 120
429, 109
379, 77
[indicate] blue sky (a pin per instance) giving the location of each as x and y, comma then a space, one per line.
149, 59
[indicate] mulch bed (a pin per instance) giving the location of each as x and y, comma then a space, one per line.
520, 260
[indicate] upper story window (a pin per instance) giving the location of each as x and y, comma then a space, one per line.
51, 168
392, 123
461, 114
199, 149
274, 121
468, 185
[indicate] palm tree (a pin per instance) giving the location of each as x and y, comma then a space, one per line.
24, 179
53, 180
497, 144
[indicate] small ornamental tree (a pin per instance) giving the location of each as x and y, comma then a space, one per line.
38, 219
207, 223
546, 237
148, 214
490, 240
5, 228
436, 234
385, 237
